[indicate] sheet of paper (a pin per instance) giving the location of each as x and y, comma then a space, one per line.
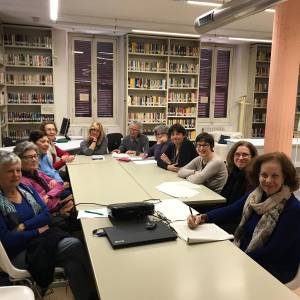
174, 209
93, 213
207, 232
145, 162
135, 158
177, 190
120, 155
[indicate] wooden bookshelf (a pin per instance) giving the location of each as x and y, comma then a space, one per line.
162, 81
28, 78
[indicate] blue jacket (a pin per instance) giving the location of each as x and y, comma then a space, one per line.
14, 241
281, 254
46, 166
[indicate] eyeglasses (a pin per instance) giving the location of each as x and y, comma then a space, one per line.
94, 129
30, 157
242, 155
202, 145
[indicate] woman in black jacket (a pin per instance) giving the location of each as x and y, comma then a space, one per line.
180, 152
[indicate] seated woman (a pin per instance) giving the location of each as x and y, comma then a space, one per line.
179, 152
28, 239
136, 142
162, 138
59, 156
96, 143
208, 168
269, 231
238, 158
48, 189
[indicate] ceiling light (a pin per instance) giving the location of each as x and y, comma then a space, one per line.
249, 40
204, 3
270, 10
53, 9
166, 33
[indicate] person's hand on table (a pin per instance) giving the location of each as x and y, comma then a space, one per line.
173, 168
131, 152
116, 151
194, 221
165, 158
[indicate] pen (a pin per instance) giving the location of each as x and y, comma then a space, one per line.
93, 212
191, 211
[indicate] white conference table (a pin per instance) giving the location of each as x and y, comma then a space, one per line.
170, 270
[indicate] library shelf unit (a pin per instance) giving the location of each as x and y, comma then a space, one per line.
2, 87
28, 79
297, 111
259, 67
162, 81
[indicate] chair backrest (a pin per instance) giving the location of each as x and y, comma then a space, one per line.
7, 142
9, 268
114, 141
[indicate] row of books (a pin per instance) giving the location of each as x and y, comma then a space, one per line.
259, 117
153, 117
261, 86
29, 79
28, 60
262, 70
145, 83
182, 97
191, 134
258, 132
14, 116
182, 111
147, 66
263, 54
19, 133
147, 48
182, 82
184, 50
260, 102
27, 40
186, 123
183, 68
147, 100
33, 98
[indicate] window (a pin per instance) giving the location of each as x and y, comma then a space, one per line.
93, 84
214, 83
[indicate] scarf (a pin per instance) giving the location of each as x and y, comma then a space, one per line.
270, 210
8, 209
35, 176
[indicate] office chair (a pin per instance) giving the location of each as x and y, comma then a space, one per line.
295, 283
7, 142
114, 141
23, 276
16, 292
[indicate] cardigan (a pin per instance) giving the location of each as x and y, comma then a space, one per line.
46, 166
140, 144
54, 193
281, 253
158, 149
187, 152
213, 174
100, 148
14, 241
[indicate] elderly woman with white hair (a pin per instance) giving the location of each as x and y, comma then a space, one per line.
136, 142
29, 240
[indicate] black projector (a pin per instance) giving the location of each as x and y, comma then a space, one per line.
130, 211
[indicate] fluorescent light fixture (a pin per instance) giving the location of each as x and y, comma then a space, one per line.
53, 9
213, 4
166, 33
249, 40
270, 10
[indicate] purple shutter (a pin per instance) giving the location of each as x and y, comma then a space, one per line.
82, 61
105, 63
222, 80
204, 82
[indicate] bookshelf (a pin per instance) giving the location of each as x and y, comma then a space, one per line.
297, 111
162, 81
28, 78
2, 89
259, 67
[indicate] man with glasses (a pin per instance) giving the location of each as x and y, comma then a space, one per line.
208, 168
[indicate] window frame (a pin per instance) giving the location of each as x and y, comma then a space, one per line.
94, 40
211, 118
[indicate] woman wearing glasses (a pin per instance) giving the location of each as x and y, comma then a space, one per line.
208, 168
96, 143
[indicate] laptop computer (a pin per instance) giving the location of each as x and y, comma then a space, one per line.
129, 234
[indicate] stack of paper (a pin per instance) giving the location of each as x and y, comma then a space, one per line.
178, 189
207, 232
120, 155
145, 162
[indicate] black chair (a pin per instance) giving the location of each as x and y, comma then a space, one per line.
7, 142
114, 141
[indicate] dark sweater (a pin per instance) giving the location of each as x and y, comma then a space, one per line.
158, 149
281, 254
187, 152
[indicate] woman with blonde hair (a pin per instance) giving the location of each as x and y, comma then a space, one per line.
96, 143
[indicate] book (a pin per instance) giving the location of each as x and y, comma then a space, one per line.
204, 233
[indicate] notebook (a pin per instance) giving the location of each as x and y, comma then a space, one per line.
130, 234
